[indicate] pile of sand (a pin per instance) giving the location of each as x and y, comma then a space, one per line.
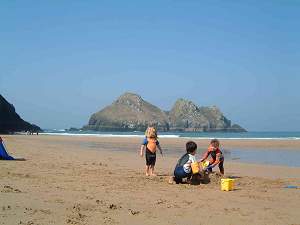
203, 178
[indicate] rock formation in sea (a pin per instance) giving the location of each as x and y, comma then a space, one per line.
128, 113
11, 122
187, 116
132, 113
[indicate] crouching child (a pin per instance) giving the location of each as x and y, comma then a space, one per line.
183, 167
217, 158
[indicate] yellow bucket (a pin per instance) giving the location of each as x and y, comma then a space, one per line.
227, 184
195, 167
204, 164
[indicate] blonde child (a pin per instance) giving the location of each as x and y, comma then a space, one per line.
150, 145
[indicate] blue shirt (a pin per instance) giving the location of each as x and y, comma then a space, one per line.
145, 141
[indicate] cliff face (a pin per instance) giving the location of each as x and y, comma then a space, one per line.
10, 121
131, 113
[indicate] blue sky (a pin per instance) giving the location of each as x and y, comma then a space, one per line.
61, 61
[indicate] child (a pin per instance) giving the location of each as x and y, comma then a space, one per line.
150, 144
183, 168
217, 157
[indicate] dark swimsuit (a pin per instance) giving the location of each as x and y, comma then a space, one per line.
221, 163
150, 158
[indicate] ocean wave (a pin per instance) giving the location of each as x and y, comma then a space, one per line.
109, 135
95, 135
245, 138
169, 136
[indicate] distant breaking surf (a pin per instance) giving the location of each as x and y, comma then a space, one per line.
110, 135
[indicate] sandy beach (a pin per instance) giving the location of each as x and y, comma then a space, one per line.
92, 180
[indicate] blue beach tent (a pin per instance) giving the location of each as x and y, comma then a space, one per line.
3, 153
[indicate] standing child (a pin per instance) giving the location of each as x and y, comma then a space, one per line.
217, 157
150, 144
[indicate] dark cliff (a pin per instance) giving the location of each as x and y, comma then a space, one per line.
10, 121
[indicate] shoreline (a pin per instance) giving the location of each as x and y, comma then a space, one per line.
241, 143
171, 136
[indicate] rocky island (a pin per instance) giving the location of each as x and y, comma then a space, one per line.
132, 113
11, 122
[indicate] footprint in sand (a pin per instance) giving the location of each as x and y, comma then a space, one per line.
77, 217
26, 223
133, 212
114, 207
9, 189
29, 211
102, 164
89, 197
108, 220
100, 202
4, 208
160, 201
46, 211
71, 221
60, 201
187, 202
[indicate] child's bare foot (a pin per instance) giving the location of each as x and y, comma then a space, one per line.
171, 180
147, 174
153, 174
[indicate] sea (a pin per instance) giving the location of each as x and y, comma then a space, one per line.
273, 156
277, 135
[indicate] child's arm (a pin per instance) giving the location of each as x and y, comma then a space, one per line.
142, 150
218, 156
160, 149
192, 159
143, 146
204, 157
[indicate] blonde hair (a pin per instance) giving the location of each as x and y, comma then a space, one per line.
151, 132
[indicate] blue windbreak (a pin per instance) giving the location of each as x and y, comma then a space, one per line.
3, 153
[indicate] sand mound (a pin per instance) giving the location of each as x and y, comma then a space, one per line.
202, 178
215, 178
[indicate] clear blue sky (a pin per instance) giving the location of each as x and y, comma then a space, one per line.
61, 61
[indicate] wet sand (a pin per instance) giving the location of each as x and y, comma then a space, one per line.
91, 180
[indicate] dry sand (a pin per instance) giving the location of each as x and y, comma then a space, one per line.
90, 180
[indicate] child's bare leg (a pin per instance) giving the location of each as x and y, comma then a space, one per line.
152, 171
148, 172
221, 167
222, 172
